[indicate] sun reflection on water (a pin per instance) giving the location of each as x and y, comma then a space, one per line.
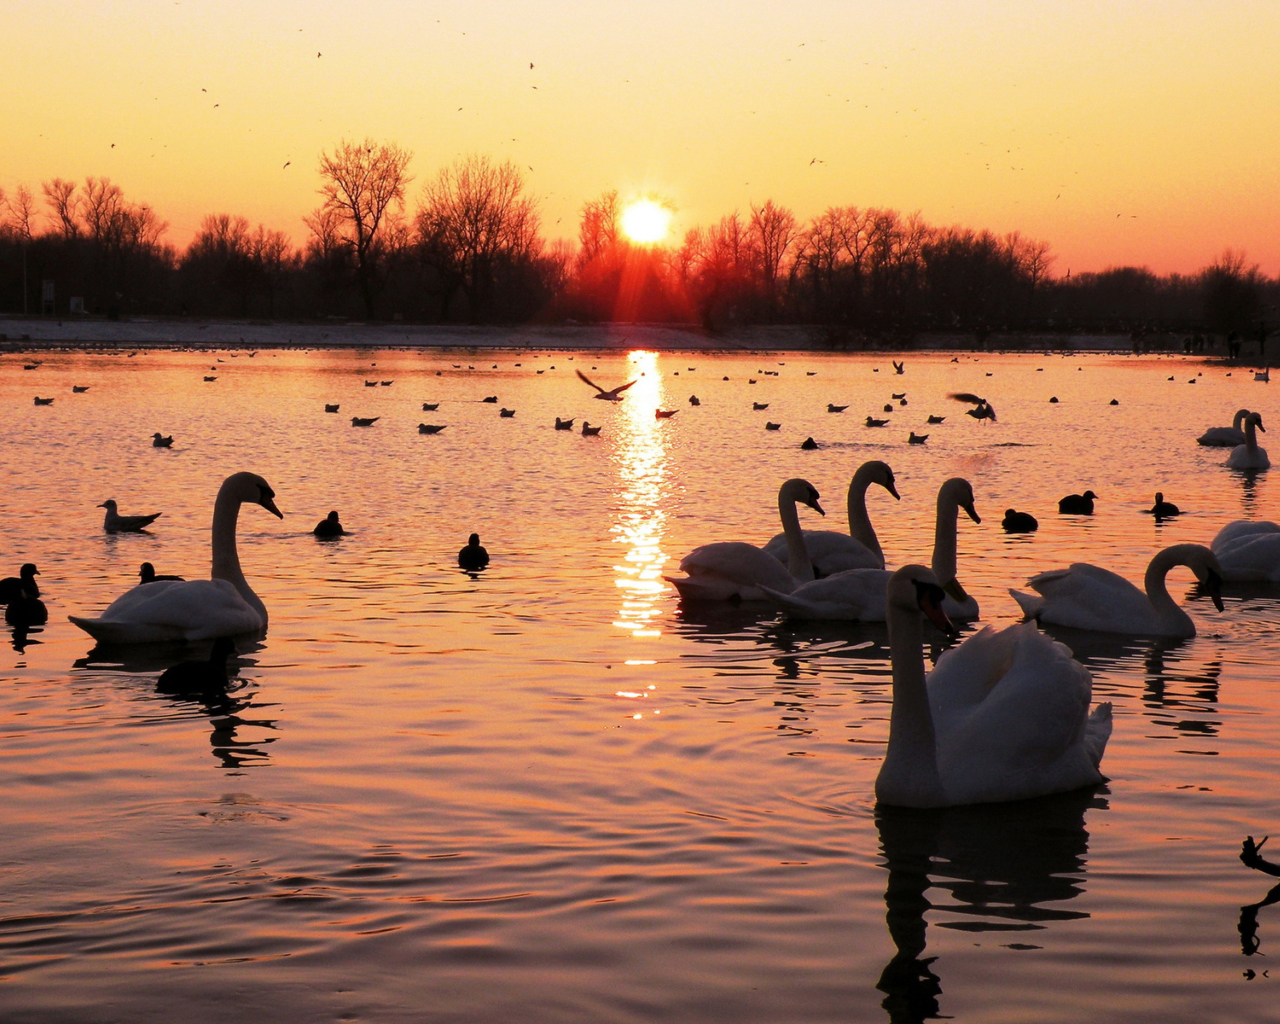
640, 454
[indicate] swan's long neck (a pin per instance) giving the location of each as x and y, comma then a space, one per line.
1238, 418
944, 540
1158, 591
226, 560
909, 774
798, 563
1250, 434
860, 528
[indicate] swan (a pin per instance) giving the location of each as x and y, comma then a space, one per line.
1087, 597
736, 571
195, 609
832, 551
858, 595
1248, 551
1249, 455
1004, 716
1225, 437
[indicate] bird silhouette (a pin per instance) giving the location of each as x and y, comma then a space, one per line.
614, 395
982, 408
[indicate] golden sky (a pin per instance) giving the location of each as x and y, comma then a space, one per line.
1121, 131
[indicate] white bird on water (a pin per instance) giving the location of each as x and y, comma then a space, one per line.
113, 522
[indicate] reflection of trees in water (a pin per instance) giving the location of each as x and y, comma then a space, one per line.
225, 709
1000, 862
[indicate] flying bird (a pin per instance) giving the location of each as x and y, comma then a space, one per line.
982, 408
614, 395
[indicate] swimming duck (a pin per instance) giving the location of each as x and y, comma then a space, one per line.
1077, 504
1019, 522
473, 557
329, 527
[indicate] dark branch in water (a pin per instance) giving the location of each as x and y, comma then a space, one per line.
1251, 858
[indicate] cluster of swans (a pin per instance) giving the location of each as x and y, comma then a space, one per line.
1242, 438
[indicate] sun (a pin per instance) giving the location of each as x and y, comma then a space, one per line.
646, 221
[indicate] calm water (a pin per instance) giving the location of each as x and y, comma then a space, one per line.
549, 793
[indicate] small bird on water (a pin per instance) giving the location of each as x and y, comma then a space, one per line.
158, 440
1162, 509
113, 522
12, 587
473, 556
329, 527
1019, 522
1077, 504
147, 574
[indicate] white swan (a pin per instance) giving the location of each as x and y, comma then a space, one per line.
1248, 551
1004, 716
832, 551
1249, 455
735, 571
858, 595
194, 609
1225, 437
1087, 597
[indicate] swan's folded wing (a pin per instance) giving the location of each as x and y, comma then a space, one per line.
856, 595
1087, 596
965, 675
191, 609
1241, 530
740, 562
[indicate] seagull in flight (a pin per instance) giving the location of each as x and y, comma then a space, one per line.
983, 410
608, 396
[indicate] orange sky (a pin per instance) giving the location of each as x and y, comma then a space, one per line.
1120, 131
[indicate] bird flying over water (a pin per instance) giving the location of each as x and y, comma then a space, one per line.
982, 408
614, 395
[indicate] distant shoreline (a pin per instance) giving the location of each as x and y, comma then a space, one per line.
29, 333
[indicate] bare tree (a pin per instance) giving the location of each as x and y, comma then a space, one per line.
362, 182
774, 234
60, 195
600, 229
18, 212
474, 221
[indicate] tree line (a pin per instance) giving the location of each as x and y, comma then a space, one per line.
468, 247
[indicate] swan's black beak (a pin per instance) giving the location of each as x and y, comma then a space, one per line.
1214, 585
929, 597
270, 506
892, 490
972, 513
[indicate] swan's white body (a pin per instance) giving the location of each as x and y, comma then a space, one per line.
858, 595
1004, 716
832, 551
737, 571
1248, 551
1249, 455
1085, 596
1225, 437
171, 610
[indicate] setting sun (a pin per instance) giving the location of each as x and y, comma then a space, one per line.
646, 221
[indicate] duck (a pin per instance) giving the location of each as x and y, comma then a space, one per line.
736, 571
589, 431
506, 414
694, 400
331, 407
186, 610
329, 527
1249, 455
147, 574
210, 676
158, 440
772, 426
12, 587
1248, 551
1003, 716
858, 595
1085, 596
491, 400
25, 610
1077, 504
113, 522
364, 421
831, 551
1225, 437
564, 424
473, 557
1019, 522
1162, 509
431, 428
809, 444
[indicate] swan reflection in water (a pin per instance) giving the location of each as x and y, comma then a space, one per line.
1001, 864
225, 709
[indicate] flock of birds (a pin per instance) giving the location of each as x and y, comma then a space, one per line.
1004, 715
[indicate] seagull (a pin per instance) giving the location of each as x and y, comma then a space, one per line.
565, 424
936, 419
772, 426
836, 408
607, 396
431, 428
44, 401
873, 422
914, 438
430, 406
113, 522
757, 406
982, 410
664, 414
506, 414
78, 389
330, 408
589, 431
899, 367
364, 421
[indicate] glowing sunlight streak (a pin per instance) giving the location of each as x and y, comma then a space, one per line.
641, 458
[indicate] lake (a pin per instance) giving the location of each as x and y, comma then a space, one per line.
547, 792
